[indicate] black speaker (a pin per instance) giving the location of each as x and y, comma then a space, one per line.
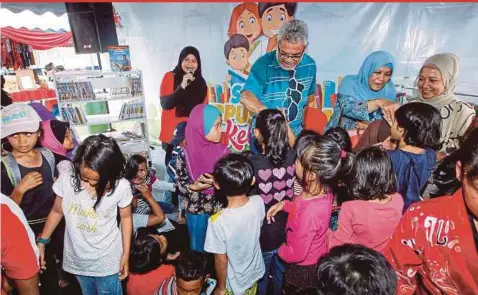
92, 26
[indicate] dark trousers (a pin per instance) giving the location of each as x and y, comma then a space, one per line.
50, 278
168, 148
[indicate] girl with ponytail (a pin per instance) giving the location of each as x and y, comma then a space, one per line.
274, 172
320, 164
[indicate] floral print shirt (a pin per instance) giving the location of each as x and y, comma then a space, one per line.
194, 202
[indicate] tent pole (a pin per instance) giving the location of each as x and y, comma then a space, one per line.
99, 60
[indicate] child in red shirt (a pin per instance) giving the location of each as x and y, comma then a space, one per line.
148, 254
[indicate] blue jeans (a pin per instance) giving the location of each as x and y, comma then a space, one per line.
197, 227
110, 285
275, 266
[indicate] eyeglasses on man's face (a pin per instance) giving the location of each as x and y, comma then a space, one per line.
285, 55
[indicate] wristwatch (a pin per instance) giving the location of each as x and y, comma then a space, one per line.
43, 241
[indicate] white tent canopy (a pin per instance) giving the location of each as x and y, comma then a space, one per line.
29, 20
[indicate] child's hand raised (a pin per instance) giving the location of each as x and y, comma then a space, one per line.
273, 211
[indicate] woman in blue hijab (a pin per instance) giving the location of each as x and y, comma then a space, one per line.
361, 97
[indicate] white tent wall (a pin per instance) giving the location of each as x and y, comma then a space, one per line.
341, 35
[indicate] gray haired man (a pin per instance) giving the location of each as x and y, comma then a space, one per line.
284, 78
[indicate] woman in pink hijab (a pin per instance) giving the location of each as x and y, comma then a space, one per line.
193, 167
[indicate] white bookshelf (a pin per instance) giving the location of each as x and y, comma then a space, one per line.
123, 91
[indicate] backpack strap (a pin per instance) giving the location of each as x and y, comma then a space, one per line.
13, 171
50, 158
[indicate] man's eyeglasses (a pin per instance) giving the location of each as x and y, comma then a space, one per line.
284, 55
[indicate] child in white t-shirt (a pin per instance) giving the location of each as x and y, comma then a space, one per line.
89, 198
233, 234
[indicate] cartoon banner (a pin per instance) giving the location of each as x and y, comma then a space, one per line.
252, 32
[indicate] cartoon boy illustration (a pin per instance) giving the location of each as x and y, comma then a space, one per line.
245, 20
236, 51
273, 15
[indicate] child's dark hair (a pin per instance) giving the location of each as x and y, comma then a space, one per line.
236, 41
132, 166
234, 175
355, 270
372, 177
289, 6
321, 155
103, 155
273, 129
468, 155
191, 266
145, 253
340, 136
421, 123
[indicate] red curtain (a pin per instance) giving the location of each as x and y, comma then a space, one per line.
37, 39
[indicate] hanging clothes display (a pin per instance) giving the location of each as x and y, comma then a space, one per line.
16, 55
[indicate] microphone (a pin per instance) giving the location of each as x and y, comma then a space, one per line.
189, 81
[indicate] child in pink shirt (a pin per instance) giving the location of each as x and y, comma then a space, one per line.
320, 162
371, 218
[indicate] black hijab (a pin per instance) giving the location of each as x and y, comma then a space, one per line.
195, 93
59, 129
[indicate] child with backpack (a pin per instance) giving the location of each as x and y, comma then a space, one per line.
274, 171
320, 163
417, 128
27, 176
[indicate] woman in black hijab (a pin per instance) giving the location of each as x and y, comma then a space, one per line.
181, 90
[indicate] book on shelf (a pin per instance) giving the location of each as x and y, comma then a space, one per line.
136, 86
75, 91
132, 109
74, 115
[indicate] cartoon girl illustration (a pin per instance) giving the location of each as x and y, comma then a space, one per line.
273, 15
245, 20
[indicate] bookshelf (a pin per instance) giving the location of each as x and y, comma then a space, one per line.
79, 91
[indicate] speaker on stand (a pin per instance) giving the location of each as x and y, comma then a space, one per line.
93, 29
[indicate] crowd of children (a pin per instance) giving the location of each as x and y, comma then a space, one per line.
303, 216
